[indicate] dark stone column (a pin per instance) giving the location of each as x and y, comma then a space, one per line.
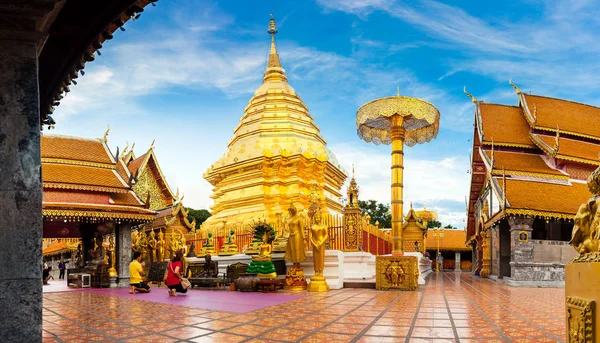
520, 252
123, 253
20, 194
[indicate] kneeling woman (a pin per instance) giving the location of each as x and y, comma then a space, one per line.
174, 277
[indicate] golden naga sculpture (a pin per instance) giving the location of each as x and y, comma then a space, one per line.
319, 236
586, 231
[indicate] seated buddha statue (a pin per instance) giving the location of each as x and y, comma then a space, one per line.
280, 242
230, 247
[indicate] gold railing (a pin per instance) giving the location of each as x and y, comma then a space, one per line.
373, 239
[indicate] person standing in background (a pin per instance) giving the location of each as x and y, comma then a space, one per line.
61, 268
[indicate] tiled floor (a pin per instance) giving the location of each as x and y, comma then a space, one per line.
452, 307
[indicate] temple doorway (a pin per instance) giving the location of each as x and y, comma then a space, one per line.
504, 249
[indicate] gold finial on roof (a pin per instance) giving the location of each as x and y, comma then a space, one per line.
469, 95
411, 205
517, 90
397, 90
152, 145
504, 186
492, 155
125, 150
132, 146
274, 70
106, 134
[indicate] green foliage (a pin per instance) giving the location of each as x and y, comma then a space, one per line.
200, 215
433, 224
449, 226
379, 212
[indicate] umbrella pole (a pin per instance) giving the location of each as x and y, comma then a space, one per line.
397, 135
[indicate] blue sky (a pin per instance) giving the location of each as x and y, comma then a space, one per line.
183, 73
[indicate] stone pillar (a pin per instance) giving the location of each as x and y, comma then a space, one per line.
457, 261
520, 252
123, 235
20, 194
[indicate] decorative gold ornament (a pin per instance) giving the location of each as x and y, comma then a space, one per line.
397, 120
580, 320
586, 231
397, 272
295, 279
523, 236
112, 271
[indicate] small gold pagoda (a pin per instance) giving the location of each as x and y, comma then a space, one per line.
275, 156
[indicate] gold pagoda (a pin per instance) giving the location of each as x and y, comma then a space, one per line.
275, 157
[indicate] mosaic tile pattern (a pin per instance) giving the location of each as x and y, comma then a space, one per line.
452, 307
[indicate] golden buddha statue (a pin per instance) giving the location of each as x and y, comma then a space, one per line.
152, 243
112, 271
142, 245
160, 247
182, 243
134, 241
173, 245
230, 247
586, 231
295, 251
319, 235
280, 242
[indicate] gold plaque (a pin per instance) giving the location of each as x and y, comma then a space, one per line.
580, 320
397, 272
523, 236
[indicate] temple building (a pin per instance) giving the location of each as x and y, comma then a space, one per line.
274, 158
529, 167
88, 195
456, 254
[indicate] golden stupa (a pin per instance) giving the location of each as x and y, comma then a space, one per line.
276, 157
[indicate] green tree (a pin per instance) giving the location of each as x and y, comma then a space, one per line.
433, 224
200, 216
379, 212
449, 226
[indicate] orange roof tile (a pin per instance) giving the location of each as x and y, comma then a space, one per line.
573, 148
125, 199
80, 175
452, 240
569, 116
546, 197
504, 124
137, 163
521, 162
55, 195
57, 247
74, 148
123, 171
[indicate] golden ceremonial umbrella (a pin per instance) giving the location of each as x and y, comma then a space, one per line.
397, 120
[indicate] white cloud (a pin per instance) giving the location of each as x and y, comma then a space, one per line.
440, 184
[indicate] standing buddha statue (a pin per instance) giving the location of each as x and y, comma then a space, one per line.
173, 245
134, 241
152, 243
160, 247
112, 271
318, 238
295, 252
141, 246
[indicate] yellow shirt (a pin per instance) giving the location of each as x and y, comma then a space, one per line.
134, 272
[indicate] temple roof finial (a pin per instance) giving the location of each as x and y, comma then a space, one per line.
106, 134
469, 95
274, 71
397, 90
517, 90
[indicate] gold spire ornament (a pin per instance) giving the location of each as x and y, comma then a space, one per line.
517, 90
106, 134
470, 95
397, 120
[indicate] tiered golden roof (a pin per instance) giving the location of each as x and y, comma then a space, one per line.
275, 155
82, 179
535, 156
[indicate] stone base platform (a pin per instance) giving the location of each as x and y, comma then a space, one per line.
334, 268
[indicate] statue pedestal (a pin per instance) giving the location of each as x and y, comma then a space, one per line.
334, 271
295, 279
229, 249
397, 272
582, 291
424, 265
113, 282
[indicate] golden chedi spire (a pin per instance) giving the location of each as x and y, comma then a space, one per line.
275, 157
